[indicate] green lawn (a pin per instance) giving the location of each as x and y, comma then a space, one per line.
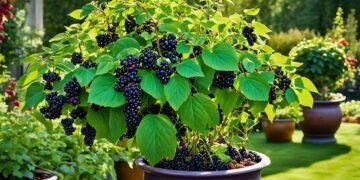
312, 161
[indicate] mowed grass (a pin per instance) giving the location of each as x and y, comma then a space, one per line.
304, 161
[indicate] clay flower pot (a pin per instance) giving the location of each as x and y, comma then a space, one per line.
322, 121
123, 171
248, 173
280, 130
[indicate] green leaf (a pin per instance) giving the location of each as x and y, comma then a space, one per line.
182, 47
58, 37
156, 137
168, 27
203, 84
250, 61
278, 59
252, 12
152, 85
260, 29
269, 76
123, 44
76, 14
220, 151
291, 96
189, 69
117, 124
177, 91
222, 58
305, 83
87, 9
257, 107
28, 78
65, 66
305, 98
199, 112
34, 95
102, 92
227, 99
106, 64
84, 76
99, 120
270, 112
254, 86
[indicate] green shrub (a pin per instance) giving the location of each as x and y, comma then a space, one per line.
323, 62
283, 42
290, 112
351, 108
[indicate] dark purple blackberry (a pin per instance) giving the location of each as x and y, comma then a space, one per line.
67, 124
72, 90
48, 86
124, 80
87, 64
115, 23
103, 40
196, 163
114, 37
111, 29
76, 58
248, 33
130, 24
218, 164
164, 72
151, 109
172, 55
120, 72
168, 43
51, 77
130, 63
103, 6
89, 132
54, 105
232, 152
282, 81
197, 50
148, 59
272, 95
132, 93
148, 26
223, 79
78, 113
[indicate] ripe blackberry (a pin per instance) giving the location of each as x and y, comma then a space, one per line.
172, 55
51, 77
151, 109
147, 26
130, 63
87, 64
115, 23
103, 6
54, 105
103, 40
164, 72
197, 50
67, 124
132, 93
76, 58
218, 164
130, 24
114, 37
168, 43
123, 80
196, 163
48, 86
249, 35
232, 152
272, 95
89, 132
282, 81
223, 79
72, 90
78, 113
148, 59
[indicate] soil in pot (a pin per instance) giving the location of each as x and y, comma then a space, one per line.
245, 165
124, 172
322, 121
280, 130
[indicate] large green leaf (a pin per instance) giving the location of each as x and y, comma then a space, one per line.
278, 59
117, 124
34, 95
84, 76
152, 85
106, 64
227, 99
305, 98
291, 96
305, 83
100, 121
250, 61
222, 58
102, 92
252, 12
182, 47
189, 68
199, 112
156, 137
254, 86
123, 44
177, 91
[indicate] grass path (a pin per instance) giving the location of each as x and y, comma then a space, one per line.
312, 161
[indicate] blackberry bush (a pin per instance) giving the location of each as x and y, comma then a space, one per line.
175, 87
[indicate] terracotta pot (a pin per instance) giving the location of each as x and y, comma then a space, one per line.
248, 173
322, 121
280, 130
124, 172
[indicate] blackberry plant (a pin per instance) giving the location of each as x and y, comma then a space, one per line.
67, 124
174, 87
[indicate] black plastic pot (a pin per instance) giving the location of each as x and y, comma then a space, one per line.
248, 173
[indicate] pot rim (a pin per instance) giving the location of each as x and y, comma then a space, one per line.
342, 99
265, 161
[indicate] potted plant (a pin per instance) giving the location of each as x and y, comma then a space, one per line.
170, 77
282, 127
324, 63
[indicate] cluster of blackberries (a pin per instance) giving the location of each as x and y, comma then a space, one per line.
89, 132
105, 39
67, 124
54, 106
148, 58
78, 113
248, 33
72, 90
223, 79
167, 45
130, 24
128, 73
49, 78
76, 58
148, 26
164, 72
283, 81
272, 95
197, 50
87, 64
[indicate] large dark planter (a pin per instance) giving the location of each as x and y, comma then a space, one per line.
123, 171
322, 121
248, 173
280, 130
